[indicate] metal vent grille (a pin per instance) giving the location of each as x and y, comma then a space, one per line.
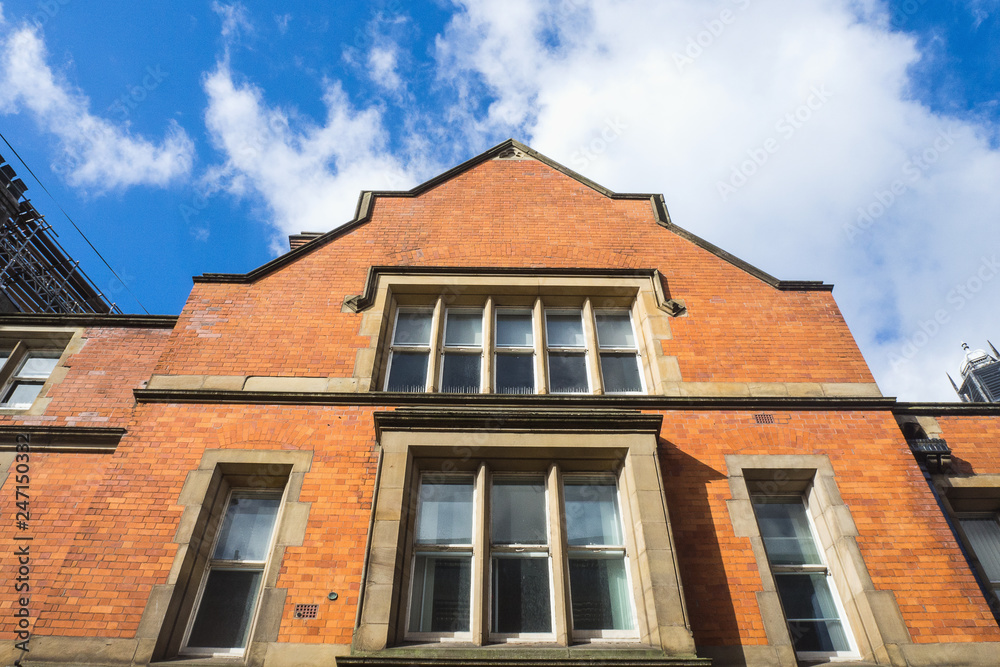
763, 418
306, 610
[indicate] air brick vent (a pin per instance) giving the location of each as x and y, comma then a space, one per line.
763, 418
306, 610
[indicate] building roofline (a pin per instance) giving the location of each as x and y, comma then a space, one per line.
87, 320
947, 409
367, 198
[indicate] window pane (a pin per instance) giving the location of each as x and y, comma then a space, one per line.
460, 373
984, 535
564, 329
620, 372
444, 510
226, 609
412, 328
408, 371
812, 615
246, 530
440, 600
521, 600
600, 594
464, 328
21, 395
518, 509
514, 330
614, 330
38, 365
568, 373
515, 373
591, 512
4, 356
785, 529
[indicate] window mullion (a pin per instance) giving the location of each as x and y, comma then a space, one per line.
593, 361
557, 555
538, 327
480, 557
437, 332
489, 324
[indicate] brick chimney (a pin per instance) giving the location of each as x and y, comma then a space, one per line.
298, 240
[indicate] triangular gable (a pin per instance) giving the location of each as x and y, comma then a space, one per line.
510, 149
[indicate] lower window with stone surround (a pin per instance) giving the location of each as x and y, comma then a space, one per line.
534, 528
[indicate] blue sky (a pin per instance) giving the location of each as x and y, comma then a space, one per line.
852, 141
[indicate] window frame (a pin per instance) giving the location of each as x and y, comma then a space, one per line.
873, 615
230, 565
19, 346
465, 350
395, 348
992, 584
483, 551
511, 350
636, 350
820, 568
539, 307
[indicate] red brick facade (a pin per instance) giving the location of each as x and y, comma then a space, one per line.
105, 519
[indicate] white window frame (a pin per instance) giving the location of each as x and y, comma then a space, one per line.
394, 347
540, 349
445, 349
636, 351
821, 568
587, 349
602, 551
557, 548
501, 351
220, 564
994, 585
423, 549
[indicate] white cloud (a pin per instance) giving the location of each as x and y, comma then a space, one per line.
95, 152
235, 20
646, 95
307, 175
283, 20
382, 67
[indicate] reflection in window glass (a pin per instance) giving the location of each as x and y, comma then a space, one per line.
413, 327
600, 594
514, 329
460, 373
620, 372
592, 512
564, 329
444, 510
441, 590
518, 511
568, 373
21, 395
520, 592
226, 609
464, 328
812, 615
408, 372
785, 529
246, 530
614, 329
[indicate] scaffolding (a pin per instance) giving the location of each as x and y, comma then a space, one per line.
36, 274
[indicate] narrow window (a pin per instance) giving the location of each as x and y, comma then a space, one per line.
411, 351
618, 352
462, 359
515, 356
567, 352
442, 562
519, 584
230, 589
983, 534
807, 594
27, 381
600, 594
